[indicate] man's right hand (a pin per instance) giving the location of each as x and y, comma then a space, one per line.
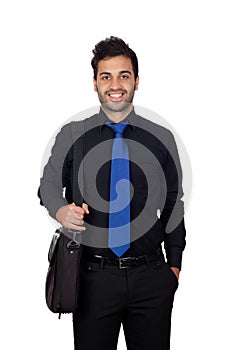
71, 216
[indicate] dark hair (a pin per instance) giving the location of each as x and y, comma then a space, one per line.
111, 47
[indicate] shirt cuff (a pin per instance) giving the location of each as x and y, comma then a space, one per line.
174, 257
54, 205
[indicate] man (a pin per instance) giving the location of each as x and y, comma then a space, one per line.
125, 278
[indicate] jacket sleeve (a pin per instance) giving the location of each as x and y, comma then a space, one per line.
172, 215
52, 181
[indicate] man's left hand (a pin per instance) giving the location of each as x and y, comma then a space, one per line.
176, 271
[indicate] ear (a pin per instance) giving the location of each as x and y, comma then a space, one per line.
136, 83
95, 84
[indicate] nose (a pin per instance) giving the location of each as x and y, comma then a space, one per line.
115, 84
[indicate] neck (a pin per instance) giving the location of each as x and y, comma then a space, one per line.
117, 116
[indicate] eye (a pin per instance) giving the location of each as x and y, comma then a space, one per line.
105, 77
124, 77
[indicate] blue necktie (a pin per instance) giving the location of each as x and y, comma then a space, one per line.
119, 206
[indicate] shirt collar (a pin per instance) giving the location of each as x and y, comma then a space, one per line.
103, 119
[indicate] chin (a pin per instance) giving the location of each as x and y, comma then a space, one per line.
116, 106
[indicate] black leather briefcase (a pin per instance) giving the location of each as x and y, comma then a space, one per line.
63, 277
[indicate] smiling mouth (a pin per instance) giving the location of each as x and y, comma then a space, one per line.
116, 95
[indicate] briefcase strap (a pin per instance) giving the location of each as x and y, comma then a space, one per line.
78, 151
78, 133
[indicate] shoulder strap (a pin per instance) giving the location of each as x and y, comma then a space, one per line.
78, 133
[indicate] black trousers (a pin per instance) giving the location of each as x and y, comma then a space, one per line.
141, 298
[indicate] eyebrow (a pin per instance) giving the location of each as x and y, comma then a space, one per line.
121, 72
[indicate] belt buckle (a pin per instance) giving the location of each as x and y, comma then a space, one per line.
121, 260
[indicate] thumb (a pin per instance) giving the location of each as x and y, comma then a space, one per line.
85, 207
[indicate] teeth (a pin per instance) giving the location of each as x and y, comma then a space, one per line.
115, 95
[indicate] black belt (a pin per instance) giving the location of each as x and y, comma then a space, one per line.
127, 262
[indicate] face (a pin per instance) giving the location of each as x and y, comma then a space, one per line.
115, 83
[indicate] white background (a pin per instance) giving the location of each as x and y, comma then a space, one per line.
185, 60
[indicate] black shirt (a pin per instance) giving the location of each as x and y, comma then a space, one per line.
156, 207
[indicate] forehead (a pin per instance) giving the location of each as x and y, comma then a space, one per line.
115, 64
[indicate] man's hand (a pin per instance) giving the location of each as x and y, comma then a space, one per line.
71, 216
176, 271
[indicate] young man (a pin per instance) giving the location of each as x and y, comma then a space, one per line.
131, 205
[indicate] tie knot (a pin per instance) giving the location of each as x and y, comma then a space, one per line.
119, 128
